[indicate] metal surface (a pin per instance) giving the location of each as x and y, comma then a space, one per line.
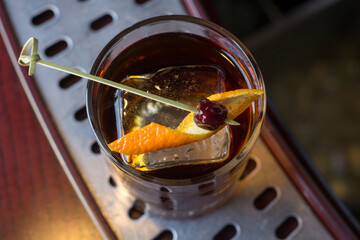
71, 22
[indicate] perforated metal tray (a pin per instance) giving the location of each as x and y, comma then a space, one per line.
72, 33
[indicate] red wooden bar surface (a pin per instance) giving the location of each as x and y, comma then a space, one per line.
36, 199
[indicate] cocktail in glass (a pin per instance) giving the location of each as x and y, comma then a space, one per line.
185, 59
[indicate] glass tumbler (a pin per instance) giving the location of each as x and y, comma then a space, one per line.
165, 196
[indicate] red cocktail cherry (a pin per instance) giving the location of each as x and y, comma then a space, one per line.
211, 115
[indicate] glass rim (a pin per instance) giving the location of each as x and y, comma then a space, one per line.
253, 135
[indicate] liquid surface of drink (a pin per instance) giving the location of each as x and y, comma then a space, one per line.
182, 67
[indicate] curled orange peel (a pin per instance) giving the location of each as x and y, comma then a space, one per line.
154, 137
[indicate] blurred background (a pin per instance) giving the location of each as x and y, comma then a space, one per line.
309, 54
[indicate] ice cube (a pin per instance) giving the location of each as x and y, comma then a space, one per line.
186, 84
210, 150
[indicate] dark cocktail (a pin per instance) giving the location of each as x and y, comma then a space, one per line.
184, 59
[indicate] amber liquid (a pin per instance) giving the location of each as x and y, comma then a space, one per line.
168, 50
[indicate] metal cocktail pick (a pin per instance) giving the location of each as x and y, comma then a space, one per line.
34, 58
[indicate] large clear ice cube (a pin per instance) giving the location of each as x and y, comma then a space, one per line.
186, 84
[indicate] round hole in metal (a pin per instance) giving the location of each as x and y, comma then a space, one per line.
226, 233
42, 17
112, 181
286, 227
80, 114
265, 198
137, 210
101, 22
164, 235
56, 48
68, 81
95, 148
141, 1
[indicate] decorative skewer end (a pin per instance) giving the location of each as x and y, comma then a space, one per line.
29, 60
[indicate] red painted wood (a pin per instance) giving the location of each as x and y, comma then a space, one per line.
36, 198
